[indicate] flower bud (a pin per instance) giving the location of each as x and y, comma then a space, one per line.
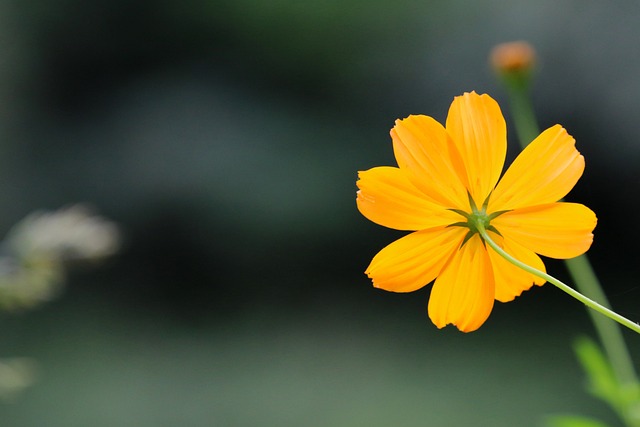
513, 57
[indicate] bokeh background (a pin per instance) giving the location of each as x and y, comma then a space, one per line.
224, 138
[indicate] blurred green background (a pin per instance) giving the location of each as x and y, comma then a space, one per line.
224, 138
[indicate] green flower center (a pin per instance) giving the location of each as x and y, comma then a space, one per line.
476, 217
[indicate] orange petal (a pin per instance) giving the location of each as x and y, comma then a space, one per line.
414, 260
463, 293
424, 149
556, 230
388, 198
511, 281
543, 173
478, 129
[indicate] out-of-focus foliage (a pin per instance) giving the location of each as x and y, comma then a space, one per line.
16, 374
225, 137
574, 421
603, 384
36, 255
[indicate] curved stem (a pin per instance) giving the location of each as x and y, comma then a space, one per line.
579, 268
566, 288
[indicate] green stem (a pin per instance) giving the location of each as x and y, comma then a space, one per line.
579, 268
523, 114
610, 335
577, 295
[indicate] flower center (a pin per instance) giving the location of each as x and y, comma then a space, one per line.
478, 217
475, 218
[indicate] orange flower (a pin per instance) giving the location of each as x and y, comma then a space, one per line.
446, 182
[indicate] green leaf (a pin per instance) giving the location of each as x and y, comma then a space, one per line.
573, 421
602, 381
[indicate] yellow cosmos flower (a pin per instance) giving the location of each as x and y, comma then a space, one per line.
447, 181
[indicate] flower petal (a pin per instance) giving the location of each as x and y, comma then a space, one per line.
388, 198
543, 173
478, 129
463, 293
415, 260
556, 230
511, 281
424, 149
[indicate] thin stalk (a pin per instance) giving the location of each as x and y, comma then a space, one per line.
562, 286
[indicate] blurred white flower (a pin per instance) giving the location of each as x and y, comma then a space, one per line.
39, 249
33, 262
68, 234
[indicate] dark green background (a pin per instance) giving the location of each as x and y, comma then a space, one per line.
224, 137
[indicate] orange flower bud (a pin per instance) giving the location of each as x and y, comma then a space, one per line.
512, 57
